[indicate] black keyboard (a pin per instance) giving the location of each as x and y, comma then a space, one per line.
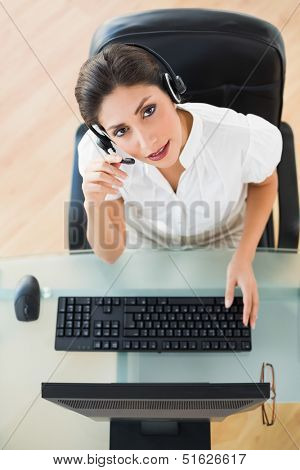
151, 324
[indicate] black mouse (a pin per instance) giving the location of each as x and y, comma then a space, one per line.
27, 299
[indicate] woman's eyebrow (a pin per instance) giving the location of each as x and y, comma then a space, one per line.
137, 110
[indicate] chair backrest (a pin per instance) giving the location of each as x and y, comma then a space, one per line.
226, 59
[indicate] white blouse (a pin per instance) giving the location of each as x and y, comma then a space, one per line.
224, 151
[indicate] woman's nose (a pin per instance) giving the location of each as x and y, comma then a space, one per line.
147, 143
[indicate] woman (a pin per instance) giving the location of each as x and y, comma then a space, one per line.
203, 175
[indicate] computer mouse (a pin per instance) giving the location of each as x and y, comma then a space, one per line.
27, 299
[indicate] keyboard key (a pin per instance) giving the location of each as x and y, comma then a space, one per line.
205, 345
223, 345
129, 321
106, 345
214, 345
82, 300
183, 345
107, 309
144, 345
97, 344
166, 345
175, 345
60, 332
135, 345
192, 345
162, 301
60, 320
134, 309
131, 333
62, 304
245, 333
152, 345
246, 346
130, 301
126, 344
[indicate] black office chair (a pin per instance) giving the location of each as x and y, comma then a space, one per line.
226, 59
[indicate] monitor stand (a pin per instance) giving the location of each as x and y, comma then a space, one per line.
160, 434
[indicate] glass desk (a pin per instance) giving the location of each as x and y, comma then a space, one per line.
27, 355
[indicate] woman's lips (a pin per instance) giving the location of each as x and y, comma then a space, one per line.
162, 153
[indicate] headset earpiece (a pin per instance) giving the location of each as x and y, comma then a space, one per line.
167, 79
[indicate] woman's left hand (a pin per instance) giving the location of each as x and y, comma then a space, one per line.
240, 272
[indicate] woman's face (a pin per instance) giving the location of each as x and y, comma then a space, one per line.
143, 126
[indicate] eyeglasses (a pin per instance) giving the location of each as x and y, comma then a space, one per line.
268, 409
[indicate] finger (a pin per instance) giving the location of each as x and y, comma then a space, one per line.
255, 305
247, 299
113, 158
97, 188
100, 177
101, 165
229, 294
111, 168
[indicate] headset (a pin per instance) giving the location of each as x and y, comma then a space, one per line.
173, 84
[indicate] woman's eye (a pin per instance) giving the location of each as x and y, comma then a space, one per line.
146, 110
116, 132
150, 107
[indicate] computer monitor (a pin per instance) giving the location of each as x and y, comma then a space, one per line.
158, 415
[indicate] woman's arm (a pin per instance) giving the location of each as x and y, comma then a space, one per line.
260, 201
106, 230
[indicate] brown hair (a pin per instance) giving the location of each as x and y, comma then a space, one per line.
115, 65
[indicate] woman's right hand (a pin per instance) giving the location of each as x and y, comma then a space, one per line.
99, 178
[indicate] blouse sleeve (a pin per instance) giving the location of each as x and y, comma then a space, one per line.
264, 150
89, 150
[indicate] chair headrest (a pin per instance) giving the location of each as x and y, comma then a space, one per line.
226, 59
